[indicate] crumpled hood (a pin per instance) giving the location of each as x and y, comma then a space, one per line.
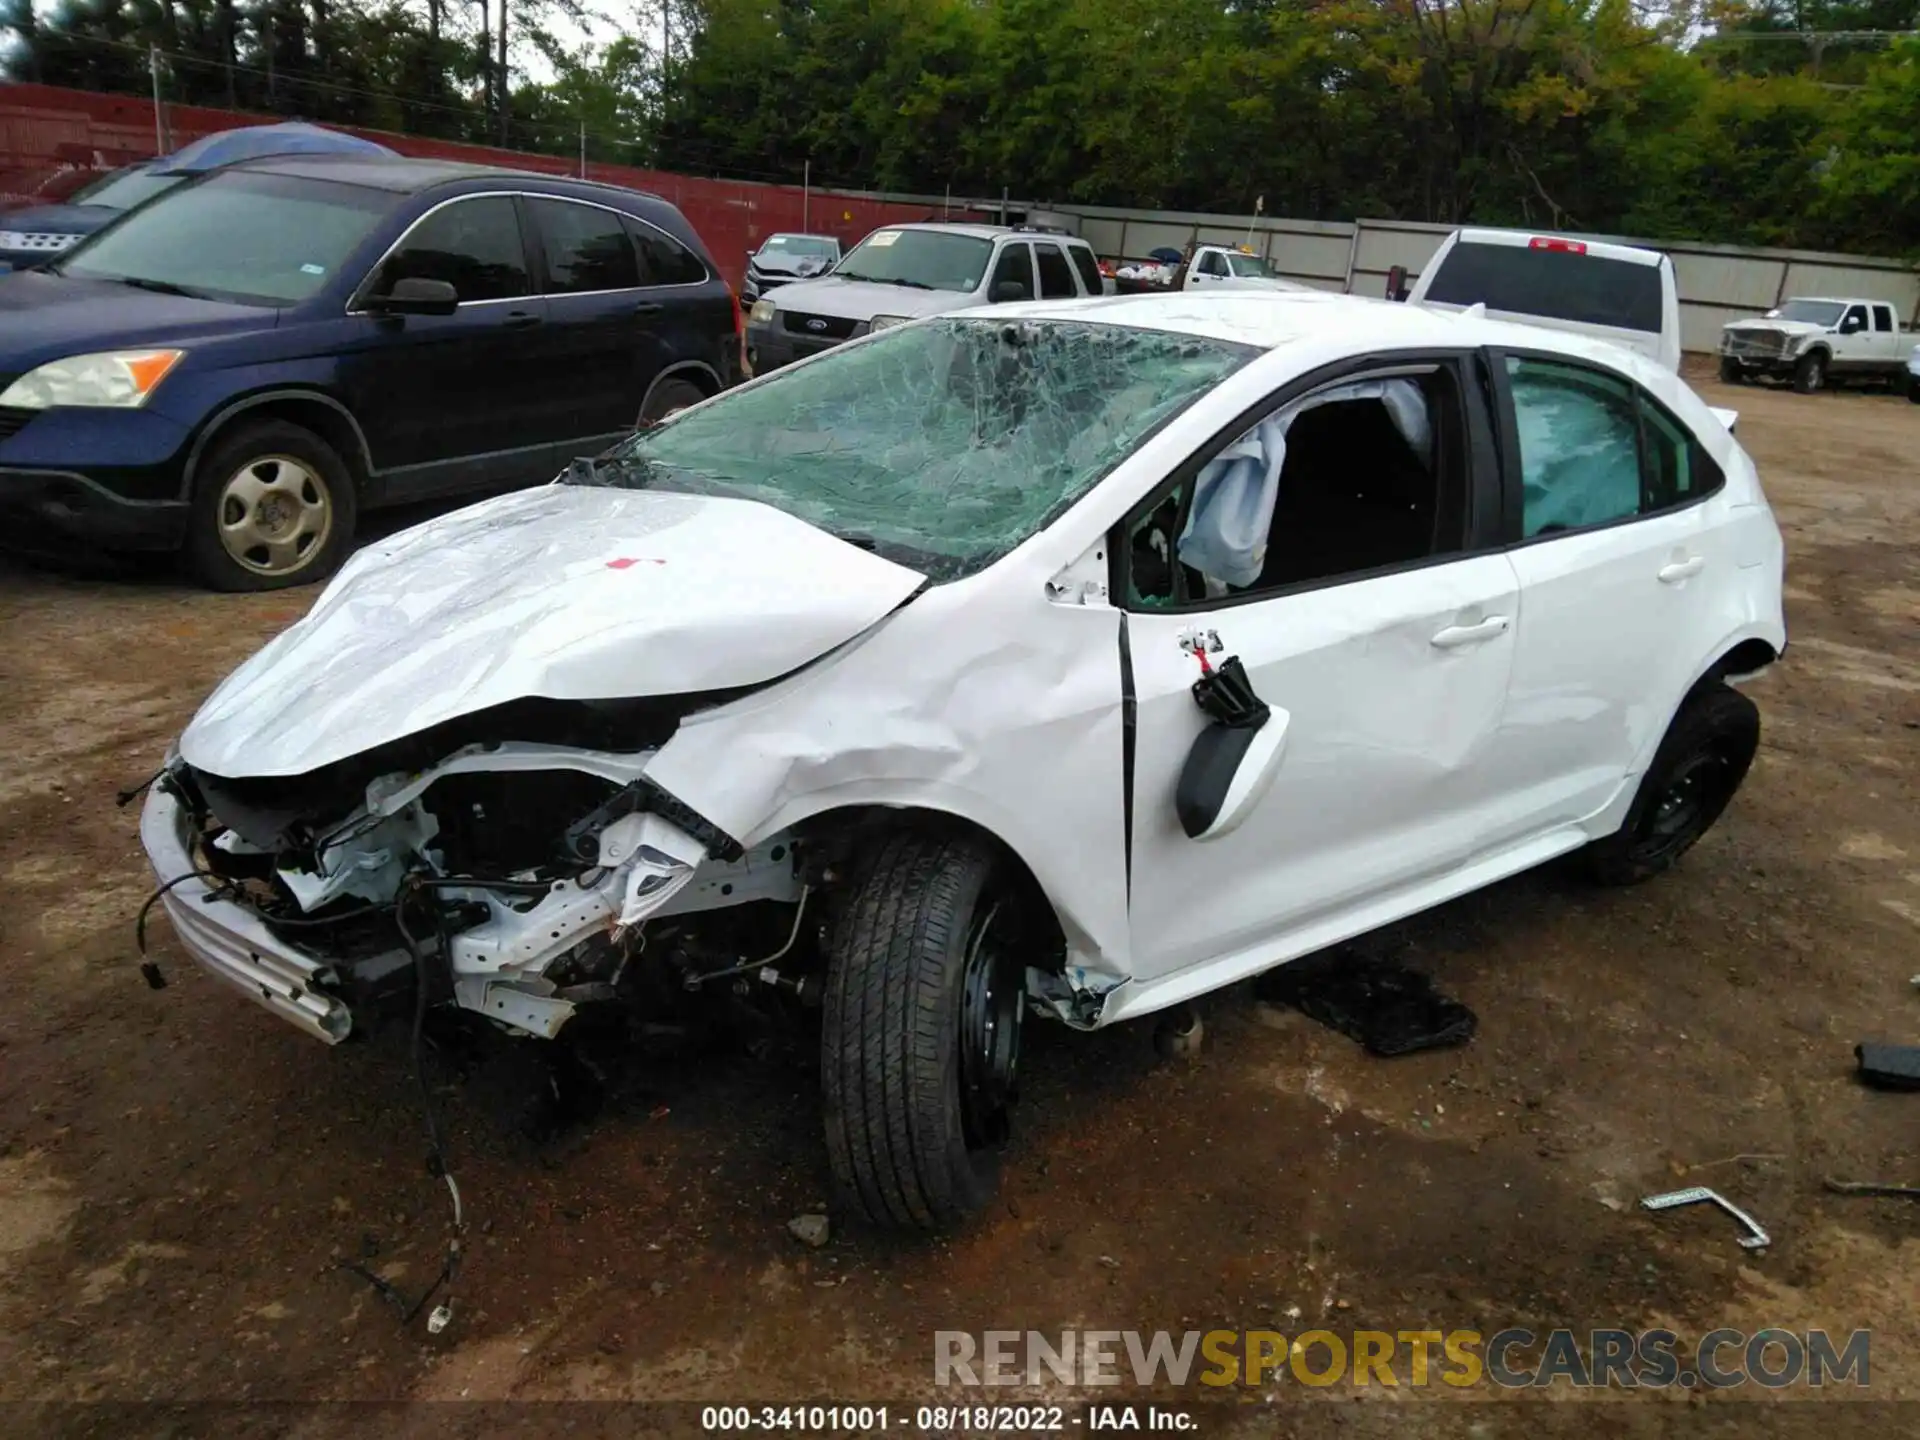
57, 219
1784, 327
800, 265
567, 592
863, 299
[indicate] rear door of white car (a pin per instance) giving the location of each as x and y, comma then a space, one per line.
1374, 613
1620, 539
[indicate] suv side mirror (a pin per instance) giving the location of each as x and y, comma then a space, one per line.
1397, 283
1008, 290
417, 296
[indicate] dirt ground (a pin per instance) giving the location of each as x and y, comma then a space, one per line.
179, 1172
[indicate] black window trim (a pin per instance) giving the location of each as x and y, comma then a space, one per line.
1507, 426
1483, 533
356, 302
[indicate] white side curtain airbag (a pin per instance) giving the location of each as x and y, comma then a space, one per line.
1225, 538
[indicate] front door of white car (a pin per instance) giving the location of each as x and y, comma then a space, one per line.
1621, 546
1336, 548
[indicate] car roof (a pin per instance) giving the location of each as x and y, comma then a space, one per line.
1602, 249
1269, 319
979, 232
405, 175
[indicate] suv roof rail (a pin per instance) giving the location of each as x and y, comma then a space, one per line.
1042, 229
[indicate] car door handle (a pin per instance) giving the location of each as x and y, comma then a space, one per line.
521, 320
648, 307
1682, 570
1454, 636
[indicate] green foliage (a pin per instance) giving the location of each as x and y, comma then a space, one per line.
1710, 119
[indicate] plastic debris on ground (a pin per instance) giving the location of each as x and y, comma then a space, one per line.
1387, 1008
1889, 1067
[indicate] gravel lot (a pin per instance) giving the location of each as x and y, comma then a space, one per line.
178, 1171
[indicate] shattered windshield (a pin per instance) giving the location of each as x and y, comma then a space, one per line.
942, 444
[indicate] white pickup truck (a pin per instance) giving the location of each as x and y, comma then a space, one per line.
1207, 267
1817, 342
1624, 294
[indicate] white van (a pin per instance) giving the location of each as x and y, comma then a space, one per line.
1612, 292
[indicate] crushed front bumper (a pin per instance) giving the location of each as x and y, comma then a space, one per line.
228, 940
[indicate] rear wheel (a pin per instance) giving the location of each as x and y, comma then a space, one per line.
1706, 754
920, 1048
1913, 389
1811, 373
273, 506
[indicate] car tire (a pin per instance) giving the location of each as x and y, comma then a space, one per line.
273, 505
1810, 372
1913, 390
667, 397
920, 1043
1695, 773
1730, 372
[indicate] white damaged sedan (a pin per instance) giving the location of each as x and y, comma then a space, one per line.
1067, 660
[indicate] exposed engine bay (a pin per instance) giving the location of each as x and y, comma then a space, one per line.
520, 880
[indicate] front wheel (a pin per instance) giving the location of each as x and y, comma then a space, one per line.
1810, 374
1913, 389
1730, 371
1706, 754
669, 397
920, 1046
273, 505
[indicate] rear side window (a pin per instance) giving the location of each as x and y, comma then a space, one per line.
473, 245
1088, 267
1883, 319
1593, 449
587, 248
663, 259
1056, 280
1675, 468
1553, 284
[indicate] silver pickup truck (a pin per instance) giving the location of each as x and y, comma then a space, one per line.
1818, 342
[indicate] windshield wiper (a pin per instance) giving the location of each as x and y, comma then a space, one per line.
158, 287
881, 280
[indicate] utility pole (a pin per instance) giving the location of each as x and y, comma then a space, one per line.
506, 90
806, 196
583, 149
486, 59
160, 146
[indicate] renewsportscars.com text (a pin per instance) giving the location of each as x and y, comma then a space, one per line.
1514, 1359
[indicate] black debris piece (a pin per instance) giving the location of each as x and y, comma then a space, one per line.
1889, 1067
1387, 1008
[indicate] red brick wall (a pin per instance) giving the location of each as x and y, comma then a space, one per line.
47, 132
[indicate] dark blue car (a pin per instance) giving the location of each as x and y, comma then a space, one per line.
241, 366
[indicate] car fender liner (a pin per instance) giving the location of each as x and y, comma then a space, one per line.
644, 795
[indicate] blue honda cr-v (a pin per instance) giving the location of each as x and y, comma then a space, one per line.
241, 366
